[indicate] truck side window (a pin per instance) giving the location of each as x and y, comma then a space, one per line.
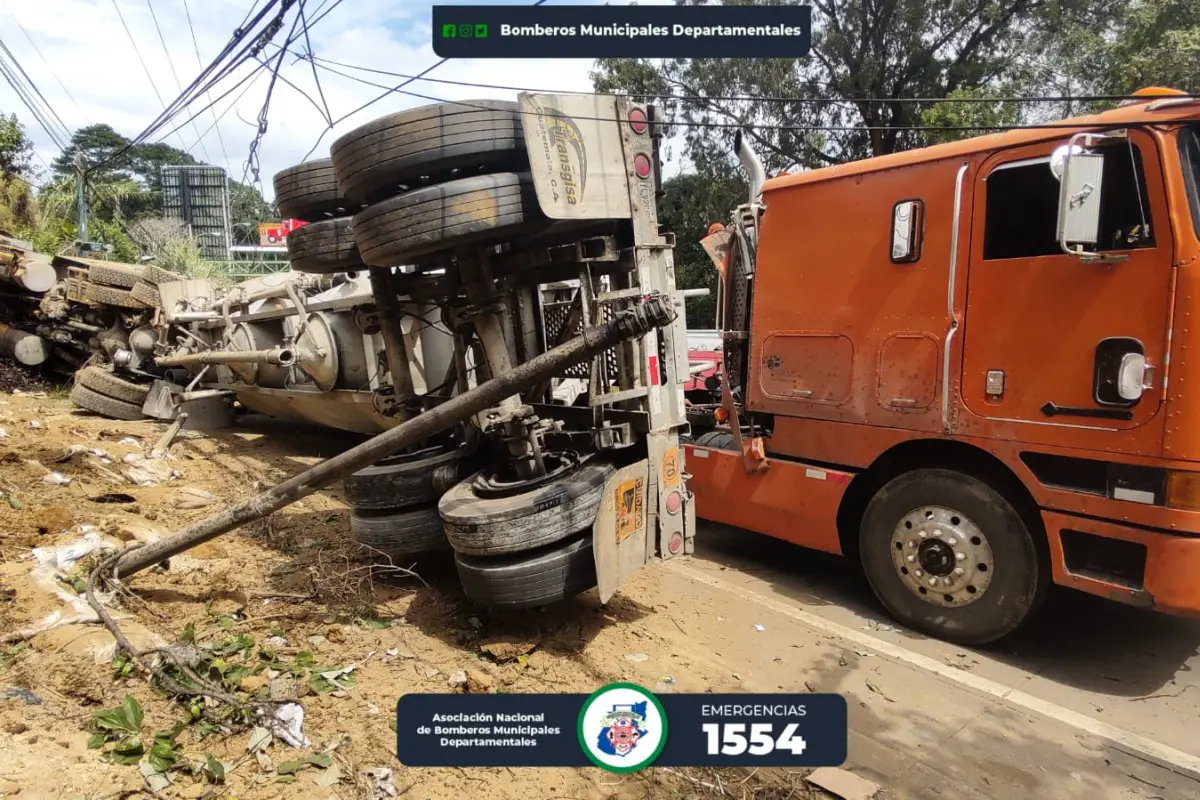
1189, 154
1022, 207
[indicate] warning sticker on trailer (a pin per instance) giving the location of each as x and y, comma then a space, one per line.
631, 507
670, 467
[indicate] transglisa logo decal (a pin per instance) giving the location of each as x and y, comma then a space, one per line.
567, 153
622, 727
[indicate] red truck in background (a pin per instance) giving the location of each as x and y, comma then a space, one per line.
274, 234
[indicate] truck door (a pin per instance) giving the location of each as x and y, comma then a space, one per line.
1046, 333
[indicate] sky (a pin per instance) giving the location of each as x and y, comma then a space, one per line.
81, 59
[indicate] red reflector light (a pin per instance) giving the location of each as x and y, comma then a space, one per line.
641, 165
638, 121
674, 501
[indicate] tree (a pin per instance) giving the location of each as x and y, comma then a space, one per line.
691, 203
247, 209
1157, 43
842, 102
16, 150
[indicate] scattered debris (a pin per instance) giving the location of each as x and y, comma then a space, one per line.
845, 785
457, 679
63, 558
3, 433
637, 658
188, 497
665, 684
479, 682
379, 781
56, 479
760, 628
474, 622
19, 693
35, 425
882, 627
507, 648
142, 471
129, 441
286, 723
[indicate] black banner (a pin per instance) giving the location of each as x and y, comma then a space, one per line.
624, 31
622, 727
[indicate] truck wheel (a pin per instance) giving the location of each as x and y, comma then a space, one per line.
155, 275
717, 440
104, 405
448, 215
146, 292
948, 555
527, 580
397, 533
103, 382
109, 296
119, 275
309, 192
489, 526
324, 247
393, 153
409, 479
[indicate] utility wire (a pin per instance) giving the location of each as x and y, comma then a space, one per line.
44, 121
370, 103
174, 74
252, 163
49, 112
49, 67
798, 128
208, 95
223, 65
141, 60
796, 100
309, 52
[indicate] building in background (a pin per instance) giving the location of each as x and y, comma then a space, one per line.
199, 197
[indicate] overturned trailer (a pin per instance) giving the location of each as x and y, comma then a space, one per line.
447, 247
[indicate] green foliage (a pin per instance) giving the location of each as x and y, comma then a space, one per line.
122, 728
955, 116
16, 149
691, 203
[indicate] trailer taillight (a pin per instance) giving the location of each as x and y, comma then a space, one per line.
642, 166
638, 121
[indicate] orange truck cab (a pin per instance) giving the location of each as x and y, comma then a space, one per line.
973, 367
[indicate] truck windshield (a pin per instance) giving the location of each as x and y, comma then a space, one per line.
1189, 156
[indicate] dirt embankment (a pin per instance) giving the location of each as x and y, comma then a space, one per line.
280, 609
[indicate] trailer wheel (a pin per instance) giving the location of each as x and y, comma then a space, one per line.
490, 526
527, 580
155, 275
396, 533
103, 382
324, 247
950, 556
425, 145
109, 296
147, 293
716, 440
309, 192
104, 405
409, 479
118, 275
448, 215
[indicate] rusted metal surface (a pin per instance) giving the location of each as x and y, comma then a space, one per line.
635, 322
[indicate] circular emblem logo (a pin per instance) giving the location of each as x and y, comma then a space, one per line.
622, 727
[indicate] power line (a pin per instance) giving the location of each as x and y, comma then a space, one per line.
252, 164
46, 118
50, 114
137, 50
796, 100
49, 67
370, 103
196, 46
795, 128
174, 74
189, 94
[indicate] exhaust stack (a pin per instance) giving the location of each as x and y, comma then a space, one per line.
753, 166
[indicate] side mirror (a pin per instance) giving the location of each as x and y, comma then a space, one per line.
1079, 201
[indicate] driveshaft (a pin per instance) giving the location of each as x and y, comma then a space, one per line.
637, 321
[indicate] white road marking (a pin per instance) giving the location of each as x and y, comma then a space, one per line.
1132, 743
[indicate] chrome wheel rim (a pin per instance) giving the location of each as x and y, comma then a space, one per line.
942, 557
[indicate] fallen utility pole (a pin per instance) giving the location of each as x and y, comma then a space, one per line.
637, 321
24, 348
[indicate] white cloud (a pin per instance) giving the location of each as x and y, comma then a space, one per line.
88, 51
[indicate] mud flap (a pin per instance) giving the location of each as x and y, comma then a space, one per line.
620, 531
